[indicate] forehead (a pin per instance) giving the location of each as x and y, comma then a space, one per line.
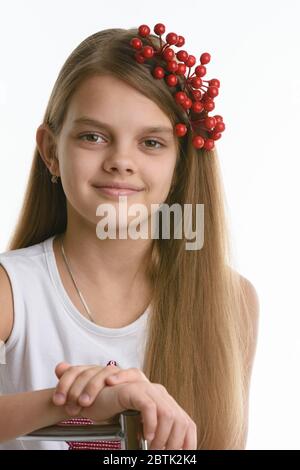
110, 99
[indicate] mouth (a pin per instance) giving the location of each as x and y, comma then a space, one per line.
116, 192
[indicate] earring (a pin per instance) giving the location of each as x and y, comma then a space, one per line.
54, 178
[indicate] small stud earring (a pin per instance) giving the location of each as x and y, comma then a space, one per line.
54, 178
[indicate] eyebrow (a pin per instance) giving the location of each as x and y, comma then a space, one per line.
99, 124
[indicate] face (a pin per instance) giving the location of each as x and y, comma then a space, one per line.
121, 149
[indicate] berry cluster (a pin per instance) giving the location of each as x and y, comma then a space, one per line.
195, 95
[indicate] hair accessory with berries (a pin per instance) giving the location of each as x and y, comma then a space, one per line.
195, 96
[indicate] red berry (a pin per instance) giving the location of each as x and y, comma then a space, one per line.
218, 118
171, 38
214, 82
197, 107
139, 58
187, 104
200, 70
196, 82
197, 94
180, 42
172, 66
215, 135
158, 72
172, 80
159, 29
198, 141
190, 61
181, 69
180, 97
209, 105
180, 129
209, 144
168, 53
210, 122
144, 30
148, 52
212, 91
205, 58
182, 55
136, 43
220, 127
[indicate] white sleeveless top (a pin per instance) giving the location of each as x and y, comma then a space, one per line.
48, 329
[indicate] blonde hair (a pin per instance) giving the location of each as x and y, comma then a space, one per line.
195, 345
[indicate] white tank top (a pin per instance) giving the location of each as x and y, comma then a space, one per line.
48, 329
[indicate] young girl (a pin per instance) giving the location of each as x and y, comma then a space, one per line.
181, 324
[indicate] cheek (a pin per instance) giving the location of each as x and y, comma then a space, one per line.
76, 167
160, 181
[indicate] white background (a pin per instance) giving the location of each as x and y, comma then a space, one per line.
255, 54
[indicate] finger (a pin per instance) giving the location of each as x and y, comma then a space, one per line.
179, 429
156, 407
89, 387
65, 383
178, 432
190, 440
126, 375
165, 421
180, 425
138, 396
171, 417
79, 384
61, 368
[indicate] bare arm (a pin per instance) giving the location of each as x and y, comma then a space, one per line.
22, 413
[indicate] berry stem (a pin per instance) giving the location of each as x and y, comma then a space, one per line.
164, 47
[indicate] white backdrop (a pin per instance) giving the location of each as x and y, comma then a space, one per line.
255, 54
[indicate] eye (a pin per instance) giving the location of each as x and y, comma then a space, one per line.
160, 145
155, 141
89, 135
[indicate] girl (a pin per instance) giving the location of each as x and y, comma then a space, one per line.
181, 324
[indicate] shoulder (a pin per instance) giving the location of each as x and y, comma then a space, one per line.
6, 305
248, 319
249, 323
251, 302
250, 310
251, 292
251, 298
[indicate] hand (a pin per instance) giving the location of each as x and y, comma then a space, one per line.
79, 385
165, 424
77, 381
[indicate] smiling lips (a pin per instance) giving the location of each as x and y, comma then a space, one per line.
118, 189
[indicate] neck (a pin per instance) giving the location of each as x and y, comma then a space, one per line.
118, 264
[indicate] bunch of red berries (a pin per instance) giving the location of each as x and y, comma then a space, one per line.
195, 95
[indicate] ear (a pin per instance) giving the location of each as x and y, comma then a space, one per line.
46, 144
61, 368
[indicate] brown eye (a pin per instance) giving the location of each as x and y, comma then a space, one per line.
156, 142
89, 135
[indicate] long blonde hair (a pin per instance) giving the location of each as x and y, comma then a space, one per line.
195, 345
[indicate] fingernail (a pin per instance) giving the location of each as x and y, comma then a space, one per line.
85, 397
59, 397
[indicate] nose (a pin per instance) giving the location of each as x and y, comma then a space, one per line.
118, 161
